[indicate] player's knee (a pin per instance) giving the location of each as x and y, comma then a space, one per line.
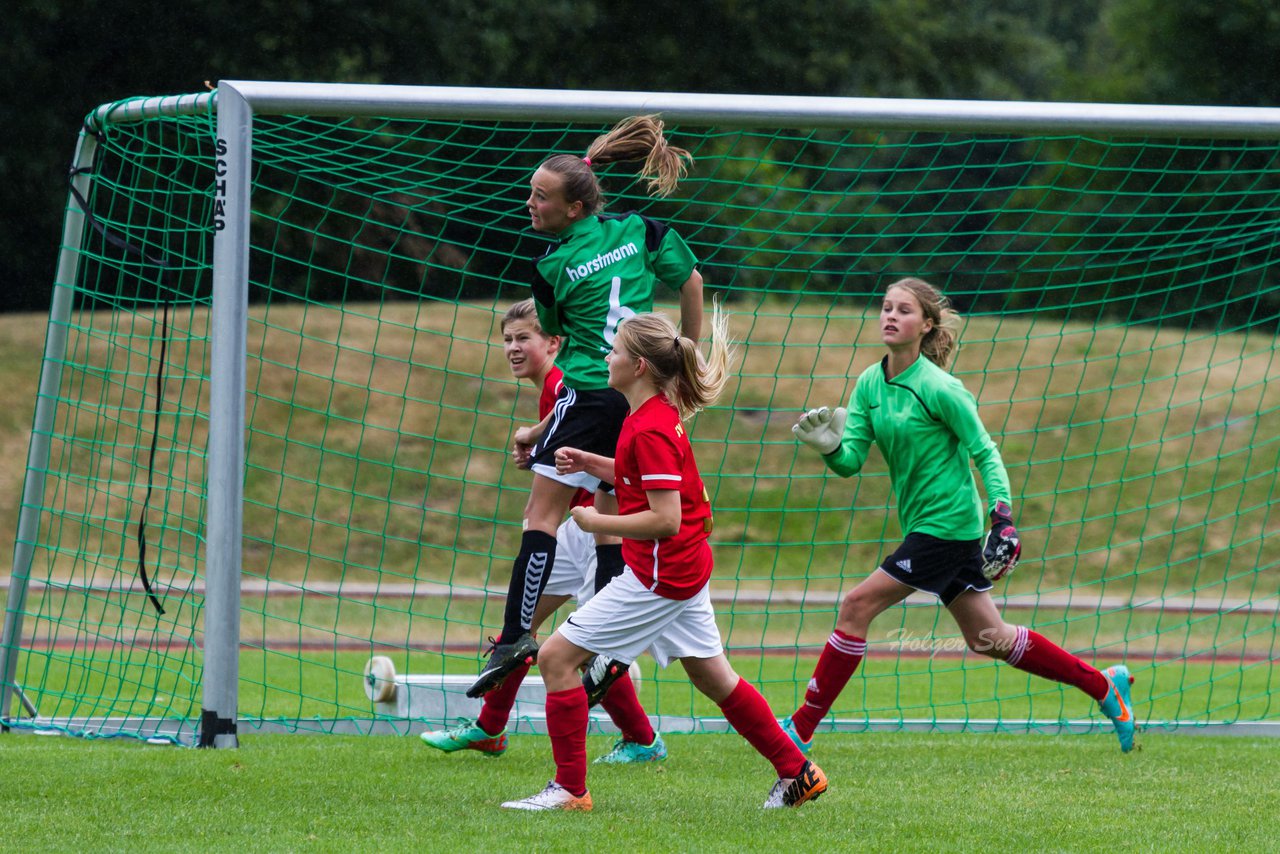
856, 607
701, 682
539, 519
992, 641
557, 658
715, 678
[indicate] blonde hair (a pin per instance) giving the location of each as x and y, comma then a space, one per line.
634, 139
942, 341
676, 365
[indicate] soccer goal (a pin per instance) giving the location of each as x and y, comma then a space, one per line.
271, 438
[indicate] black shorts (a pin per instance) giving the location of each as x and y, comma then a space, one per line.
587, 420
945, 568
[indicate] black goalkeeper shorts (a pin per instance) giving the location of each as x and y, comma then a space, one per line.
945, 568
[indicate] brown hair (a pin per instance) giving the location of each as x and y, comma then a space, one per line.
523, 310
675, 362
634, 139
942, 341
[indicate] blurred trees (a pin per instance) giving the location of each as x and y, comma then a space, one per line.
65, 57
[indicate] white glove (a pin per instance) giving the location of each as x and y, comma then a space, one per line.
821, 428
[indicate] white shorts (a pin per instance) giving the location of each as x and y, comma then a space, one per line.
574, 571
626, 619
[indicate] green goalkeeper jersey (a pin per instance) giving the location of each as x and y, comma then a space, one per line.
926, 424
603, 270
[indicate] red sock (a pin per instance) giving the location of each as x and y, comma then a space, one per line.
1035, 653
625, 710
749, 713
567, 726
840, 657
496, 710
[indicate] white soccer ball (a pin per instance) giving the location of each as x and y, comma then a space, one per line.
380, 679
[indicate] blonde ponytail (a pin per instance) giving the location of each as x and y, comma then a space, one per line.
676, 364
638, 138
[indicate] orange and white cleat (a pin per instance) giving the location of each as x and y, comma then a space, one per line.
553, 797
794, 791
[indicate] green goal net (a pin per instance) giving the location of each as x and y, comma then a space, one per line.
1121, 300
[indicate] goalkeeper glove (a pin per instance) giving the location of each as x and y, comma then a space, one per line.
1000, 554
822, 428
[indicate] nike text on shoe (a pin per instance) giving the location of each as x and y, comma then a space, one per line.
789, 727
625, 752
553, 797
505, 658
599, 677
467, 736
794, 791
1117, 705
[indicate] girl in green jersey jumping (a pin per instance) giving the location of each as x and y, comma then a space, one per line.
599, 270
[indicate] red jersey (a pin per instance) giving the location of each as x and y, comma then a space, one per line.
654, 452
551, 385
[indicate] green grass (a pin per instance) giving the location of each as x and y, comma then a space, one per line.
896, 792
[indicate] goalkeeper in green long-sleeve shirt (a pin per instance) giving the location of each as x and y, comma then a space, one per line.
927, 427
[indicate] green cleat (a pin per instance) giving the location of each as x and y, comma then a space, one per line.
1117, 705
467, 736
625, 752
790, 729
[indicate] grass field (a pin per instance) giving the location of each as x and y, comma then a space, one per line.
888, 793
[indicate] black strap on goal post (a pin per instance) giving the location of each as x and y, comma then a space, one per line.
164, 287
212, 726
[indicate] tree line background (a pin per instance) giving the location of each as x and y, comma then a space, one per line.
65, 57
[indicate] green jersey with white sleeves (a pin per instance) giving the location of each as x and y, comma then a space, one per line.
926, 424
602, 270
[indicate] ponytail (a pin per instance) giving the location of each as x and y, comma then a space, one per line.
676, 364
638, 138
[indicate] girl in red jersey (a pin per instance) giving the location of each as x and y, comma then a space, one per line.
661, 603
531, 353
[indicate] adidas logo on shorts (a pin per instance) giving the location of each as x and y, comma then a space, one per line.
904, 564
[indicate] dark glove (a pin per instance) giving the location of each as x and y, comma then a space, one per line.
1000, 554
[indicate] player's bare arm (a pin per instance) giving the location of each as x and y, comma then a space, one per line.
662, 519
691, 306
572, 460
